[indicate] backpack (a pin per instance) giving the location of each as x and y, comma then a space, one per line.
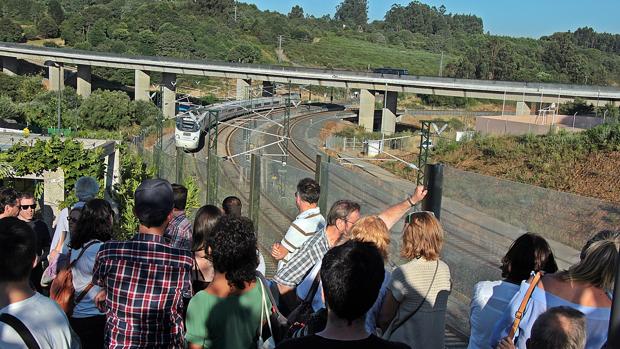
62, 290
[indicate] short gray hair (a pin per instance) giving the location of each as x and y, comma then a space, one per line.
559, 327
86, 188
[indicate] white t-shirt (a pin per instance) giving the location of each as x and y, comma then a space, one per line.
303, 227
488, 304
45, 320
82, 276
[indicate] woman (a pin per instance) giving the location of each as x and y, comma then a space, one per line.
227, 314
584, 286
93, 228
206, 218
530, 252
414, 308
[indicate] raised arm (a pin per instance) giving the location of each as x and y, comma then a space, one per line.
394, 213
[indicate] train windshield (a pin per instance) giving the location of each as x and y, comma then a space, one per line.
186, 124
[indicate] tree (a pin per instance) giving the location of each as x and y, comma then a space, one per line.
10, 31
97, 34
55, 11
47, 27
9, 110
110, 110
214, 7
244, 53
353, 12
297, 12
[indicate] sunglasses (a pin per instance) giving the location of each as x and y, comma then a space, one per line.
409, 217
73, 220
25, 207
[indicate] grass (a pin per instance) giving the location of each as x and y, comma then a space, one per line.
350, 53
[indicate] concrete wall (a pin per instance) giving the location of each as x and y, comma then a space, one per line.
169, 94
142, 85
367, 109
243, 89
84, 86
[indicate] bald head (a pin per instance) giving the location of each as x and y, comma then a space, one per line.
560, 327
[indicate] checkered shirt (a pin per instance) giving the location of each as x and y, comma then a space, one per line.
145, 280
310, 253
179, 232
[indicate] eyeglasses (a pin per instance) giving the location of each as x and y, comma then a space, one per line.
409, 217
25, 207
73, 220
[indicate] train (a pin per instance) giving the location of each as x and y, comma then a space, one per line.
191, 124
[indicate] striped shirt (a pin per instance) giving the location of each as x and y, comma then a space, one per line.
145, 279
303, 227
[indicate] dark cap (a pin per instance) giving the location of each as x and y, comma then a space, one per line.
154, 195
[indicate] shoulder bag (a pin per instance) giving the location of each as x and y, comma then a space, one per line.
21, 329
394, 327
521, 311
62, 290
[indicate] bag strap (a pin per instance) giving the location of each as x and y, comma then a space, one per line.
313, 288
83, 294
84, 248
21, 330
521, 311
394, 328
274, 305
263, 312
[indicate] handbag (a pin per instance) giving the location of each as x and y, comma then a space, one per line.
303, 314
57, 261
521, 310
393, 328
278, 324
62, 290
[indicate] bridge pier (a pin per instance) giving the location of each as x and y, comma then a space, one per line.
388, 115
367, 109
169, 96
142, 85
269, 89
10, 66
243, 89
56, 77
523, 109
84, 86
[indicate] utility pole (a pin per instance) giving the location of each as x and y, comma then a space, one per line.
235, 11
441, 65
280, 52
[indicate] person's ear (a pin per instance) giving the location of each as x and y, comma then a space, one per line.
35, 262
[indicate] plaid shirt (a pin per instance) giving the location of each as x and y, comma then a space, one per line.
310, 253
179, 232
145, 280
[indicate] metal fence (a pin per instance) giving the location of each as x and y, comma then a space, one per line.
481, 215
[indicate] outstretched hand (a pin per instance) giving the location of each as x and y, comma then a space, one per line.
419, 194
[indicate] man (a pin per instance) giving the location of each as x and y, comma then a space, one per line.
557, 328
308, 222
232, 206
352, 274
341, 217
179, 231
143, 280
9, 203
27, 206
43, 319
86, 188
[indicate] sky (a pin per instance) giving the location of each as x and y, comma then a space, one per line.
521, 18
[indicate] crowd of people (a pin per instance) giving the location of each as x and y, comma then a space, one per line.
201, 284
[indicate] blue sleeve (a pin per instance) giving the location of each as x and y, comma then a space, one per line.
502, 327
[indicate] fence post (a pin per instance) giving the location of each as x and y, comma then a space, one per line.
434, 184
212, 180
322, 176
254, 208
179, 162
613, 336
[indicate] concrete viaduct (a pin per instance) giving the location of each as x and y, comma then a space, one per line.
369, 84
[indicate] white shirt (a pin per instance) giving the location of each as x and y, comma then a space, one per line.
43, 318
303, 227
488, 304
82, 276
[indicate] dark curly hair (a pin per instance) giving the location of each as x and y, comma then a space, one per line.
94, 224
233, 250
206, 218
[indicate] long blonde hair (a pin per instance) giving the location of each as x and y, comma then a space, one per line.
598, 267
372, 229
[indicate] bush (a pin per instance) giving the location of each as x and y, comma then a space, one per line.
10, 31
109, 110
47, 27
9, 110
42, 110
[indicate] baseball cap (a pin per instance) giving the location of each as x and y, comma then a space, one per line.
86, 188
154, 195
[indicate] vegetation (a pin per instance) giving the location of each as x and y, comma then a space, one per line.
412, 36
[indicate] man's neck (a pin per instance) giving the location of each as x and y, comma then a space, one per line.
177, 213
333, 235
23, 219
340, 329
13, 292
304, 206
152, 230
